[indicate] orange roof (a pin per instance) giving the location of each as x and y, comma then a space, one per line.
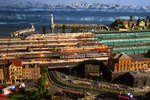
16, 62
129, 22
132, 22
125, 22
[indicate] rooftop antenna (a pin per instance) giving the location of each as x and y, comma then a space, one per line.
52, 25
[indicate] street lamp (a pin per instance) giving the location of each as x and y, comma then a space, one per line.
130, 95
101, 74
101, 78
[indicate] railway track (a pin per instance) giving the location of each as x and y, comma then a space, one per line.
54, 80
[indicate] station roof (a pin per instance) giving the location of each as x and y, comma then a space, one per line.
135, 57
139, 74
121, 56
139, 57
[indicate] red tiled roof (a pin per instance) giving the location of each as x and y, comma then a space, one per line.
125, 22
132, 22
16, 62
129, 22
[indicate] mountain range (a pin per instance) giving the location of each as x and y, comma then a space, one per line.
44, 4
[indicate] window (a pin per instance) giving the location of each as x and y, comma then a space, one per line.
124, 61
12, 69
142, 65
138, 65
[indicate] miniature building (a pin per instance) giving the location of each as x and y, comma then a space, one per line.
1, 76
134, 79
92, 70
141, 23
14, 72
121, 62
129, 24
126, 24
31, 73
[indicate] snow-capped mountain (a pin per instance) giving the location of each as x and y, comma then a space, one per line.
48, 4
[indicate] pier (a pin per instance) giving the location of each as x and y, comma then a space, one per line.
82, 26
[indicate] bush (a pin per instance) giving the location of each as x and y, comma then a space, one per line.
25, 95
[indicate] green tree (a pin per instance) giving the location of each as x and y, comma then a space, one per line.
42, 85
118, 23
138, 20
131, 18
25, 95
63, 28
42, 82
147, 17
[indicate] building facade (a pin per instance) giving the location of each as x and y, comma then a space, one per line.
122, 63
31, 73
141, 23
15, 72
129, 24
1, 75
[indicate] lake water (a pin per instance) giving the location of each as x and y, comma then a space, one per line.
13, 19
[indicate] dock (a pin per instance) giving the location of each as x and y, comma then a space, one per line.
82, 26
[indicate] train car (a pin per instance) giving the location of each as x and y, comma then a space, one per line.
85, 35
125, 97
71, 49
74, 93
101, 48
